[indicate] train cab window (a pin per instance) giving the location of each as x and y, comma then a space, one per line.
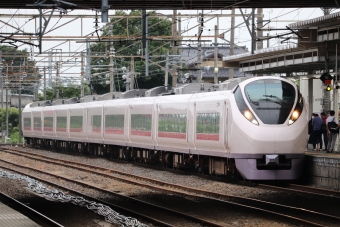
272, 100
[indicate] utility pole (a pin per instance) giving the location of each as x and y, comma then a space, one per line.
145, 40
199, 49
132, 73
259, 25
1, 81
179, 37
7, 136
166, 69
111, 53
19, 109
174, 48
45, 83
82, 75
215, 57
232, 40
253, 47
57, 81
259, 28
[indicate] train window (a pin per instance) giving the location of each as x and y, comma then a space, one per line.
272, 100
37, 123
76, 122
114, 121
172, 123
27, 123
61, 123
208, 123
141, 122
96, 121
48, 123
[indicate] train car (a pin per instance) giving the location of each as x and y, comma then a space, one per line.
257, 130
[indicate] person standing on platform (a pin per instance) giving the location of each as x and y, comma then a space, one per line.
317, 124
311, 139
324, 131
332, 134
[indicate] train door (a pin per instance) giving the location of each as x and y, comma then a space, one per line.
210, 127
226, 124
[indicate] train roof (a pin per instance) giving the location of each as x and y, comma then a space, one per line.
179, 89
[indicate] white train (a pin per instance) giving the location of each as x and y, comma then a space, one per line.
258, 129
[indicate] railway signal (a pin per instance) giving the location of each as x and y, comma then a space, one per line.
326, 78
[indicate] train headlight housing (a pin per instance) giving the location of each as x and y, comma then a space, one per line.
297, 111
295, 115
250, 117
243, 108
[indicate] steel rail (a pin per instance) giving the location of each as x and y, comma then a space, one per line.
122, 209
248, 202
164, 209
295, 188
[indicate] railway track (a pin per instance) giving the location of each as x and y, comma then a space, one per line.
135, 210
301, 189
295, 214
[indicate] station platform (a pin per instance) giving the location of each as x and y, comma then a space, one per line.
12, 218
322, 169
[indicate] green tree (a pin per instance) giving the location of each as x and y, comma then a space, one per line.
157, 27
13, 123
16, 63
68, 91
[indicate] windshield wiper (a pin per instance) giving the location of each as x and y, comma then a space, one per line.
273, 96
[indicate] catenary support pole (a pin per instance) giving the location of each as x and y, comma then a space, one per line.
232, 40
132, 73
166, 69
19, 110
45, 83
82, 73
216, 56
7, 136
174, 48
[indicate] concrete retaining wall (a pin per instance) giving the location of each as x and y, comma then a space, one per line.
322, 171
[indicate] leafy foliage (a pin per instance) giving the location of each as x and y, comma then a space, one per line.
13, 122
133, 29
68, 91
16, 62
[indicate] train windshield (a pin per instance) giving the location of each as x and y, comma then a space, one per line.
272, 100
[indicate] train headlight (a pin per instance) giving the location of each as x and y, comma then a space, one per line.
297, 111
247, 114
295, 115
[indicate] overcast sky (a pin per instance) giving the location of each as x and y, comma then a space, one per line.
279, 19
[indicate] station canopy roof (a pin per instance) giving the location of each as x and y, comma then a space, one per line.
169, 4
